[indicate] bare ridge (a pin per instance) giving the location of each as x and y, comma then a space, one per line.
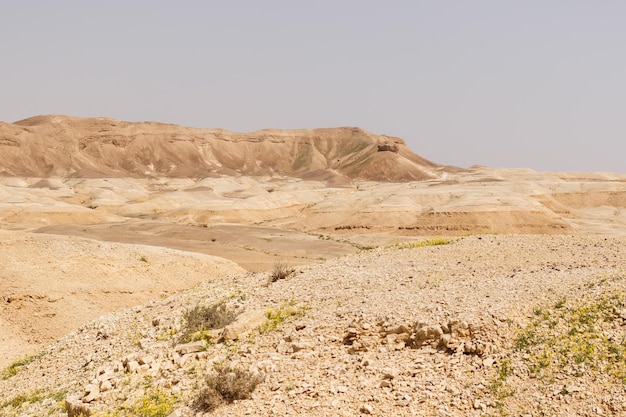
64, 146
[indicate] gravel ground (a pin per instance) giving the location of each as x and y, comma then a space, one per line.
427, 331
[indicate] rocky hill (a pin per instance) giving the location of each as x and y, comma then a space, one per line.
65, 146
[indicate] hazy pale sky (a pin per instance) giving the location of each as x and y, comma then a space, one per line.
527, 83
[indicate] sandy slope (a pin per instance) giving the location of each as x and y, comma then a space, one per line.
51, 285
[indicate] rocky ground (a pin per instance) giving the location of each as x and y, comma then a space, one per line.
473, 326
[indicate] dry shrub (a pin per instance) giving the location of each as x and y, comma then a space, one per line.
201, 318
281, 271
226, 385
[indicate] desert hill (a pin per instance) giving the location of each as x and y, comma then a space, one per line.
416, 289
66, 146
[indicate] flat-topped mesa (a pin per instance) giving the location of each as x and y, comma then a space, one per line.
64, 146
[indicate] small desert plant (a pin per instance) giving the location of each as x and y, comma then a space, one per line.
17, 401
167, 334
435, 241
36, 396
433, 281
17, 364
225, 385
274, 317
498, 386
281, 271
574, 336
155, 403
202, 318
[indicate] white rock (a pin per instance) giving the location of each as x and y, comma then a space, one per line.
191, 347
92, 392
106, 386
75, 407
132, 367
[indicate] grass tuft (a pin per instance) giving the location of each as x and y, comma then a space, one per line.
498, 387
14, 367
31, 397
281, 271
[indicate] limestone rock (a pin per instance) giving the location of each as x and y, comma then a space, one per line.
191, 347
245, 322
92, 392
76, 408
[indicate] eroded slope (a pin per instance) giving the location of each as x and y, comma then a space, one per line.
99, 147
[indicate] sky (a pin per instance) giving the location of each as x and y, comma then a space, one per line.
537, 84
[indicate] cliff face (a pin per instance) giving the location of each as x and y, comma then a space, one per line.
64, 146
